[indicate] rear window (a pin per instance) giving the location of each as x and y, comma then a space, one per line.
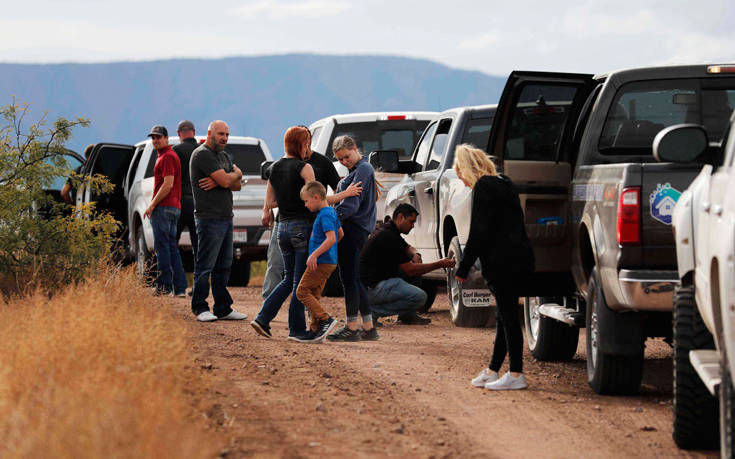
642, 109
247, 157
477, 132
398, 135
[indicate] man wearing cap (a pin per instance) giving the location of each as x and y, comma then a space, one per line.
164, 213
213, 179
186, 146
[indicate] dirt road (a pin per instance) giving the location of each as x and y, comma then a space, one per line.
408, 395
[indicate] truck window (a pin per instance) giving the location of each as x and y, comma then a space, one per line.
315, 137
538, 122
477, 132
440, 144
398, 135
151, 164
422, 152
247, 157
72, 164
641, 110
134, 167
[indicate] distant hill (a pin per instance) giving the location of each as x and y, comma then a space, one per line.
257, 96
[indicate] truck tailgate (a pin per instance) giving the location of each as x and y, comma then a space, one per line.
662, 185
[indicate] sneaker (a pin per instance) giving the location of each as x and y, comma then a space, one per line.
234, 315
369, 335
345, 334
324, 328
206, 316
263, 330
308, 337
485, 376
508, 382
376, 323
180, 295
413, 319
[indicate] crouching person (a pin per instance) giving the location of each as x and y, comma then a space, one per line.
321, 262
385, 258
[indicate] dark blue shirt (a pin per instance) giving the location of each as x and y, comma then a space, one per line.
359, 210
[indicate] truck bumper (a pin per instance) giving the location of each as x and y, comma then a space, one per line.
647, 290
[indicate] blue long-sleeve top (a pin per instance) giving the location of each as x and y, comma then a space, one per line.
359, 210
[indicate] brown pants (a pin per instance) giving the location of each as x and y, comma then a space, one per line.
310, 289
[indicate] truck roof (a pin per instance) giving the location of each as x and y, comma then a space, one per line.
376, 116
669, 71
475, 109
241, 140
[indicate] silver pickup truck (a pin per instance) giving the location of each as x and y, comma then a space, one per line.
130, 169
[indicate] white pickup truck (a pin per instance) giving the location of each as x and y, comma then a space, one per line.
704, 302
130, 169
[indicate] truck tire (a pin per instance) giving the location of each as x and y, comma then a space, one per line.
548, 339
239, 273
145, 261
461, 315
429, 287
727, 409
608, 374
695, 409
333, 287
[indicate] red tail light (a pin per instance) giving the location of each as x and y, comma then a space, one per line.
629, 216
396, 117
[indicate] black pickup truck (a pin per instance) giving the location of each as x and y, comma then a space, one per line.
610, 220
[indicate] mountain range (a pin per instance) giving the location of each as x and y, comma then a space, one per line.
258, 96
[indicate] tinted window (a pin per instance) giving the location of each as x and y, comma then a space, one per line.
439, 145
134, 166
151, 164
538, 121
642, 109
72, 163
247, 157
113, 162
477, 132
422, 152
398, 135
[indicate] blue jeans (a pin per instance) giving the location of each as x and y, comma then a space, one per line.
293, 239
171, 276
214, 259
274, 266
348, 254
395, 296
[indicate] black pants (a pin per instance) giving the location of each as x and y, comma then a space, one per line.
348, 255
509, 336
187, 220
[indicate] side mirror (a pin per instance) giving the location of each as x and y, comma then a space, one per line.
384, 160
682, 143
265, 170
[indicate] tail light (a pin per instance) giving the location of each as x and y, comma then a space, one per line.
629, 216
396, 117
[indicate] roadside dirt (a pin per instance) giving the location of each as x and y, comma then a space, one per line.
408, 395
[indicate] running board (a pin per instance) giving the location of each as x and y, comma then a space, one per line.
562, 314
707, 365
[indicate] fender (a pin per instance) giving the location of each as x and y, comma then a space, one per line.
683, 226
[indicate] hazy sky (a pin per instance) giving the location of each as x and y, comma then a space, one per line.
491, 36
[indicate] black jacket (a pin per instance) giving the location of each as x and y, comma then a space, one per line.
497, 231
184, 150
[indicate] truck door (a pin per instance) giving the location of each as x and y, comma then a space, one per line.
423, 148
530, 138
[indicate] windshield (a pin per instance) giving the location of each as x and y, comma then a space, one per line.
642, 109
398, 135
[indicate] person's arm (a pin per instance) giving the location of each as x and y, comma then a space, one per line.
353, 190
269, 204
307, 173
166, 187
416, 269
228, 180
481, 228
330, 240
65, 193
347, 207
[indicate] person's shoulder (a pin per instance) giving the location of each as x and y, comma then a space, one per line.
364, 167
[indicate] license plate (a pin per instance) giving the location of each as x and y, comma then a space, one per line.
240, 236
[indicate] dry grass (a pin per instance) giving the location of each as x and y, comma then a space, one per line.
99, 370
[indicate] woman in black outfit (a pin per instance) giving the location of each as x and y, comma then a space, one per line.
498, 238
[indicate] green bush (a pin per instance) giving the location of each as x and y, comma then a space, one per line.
44, 243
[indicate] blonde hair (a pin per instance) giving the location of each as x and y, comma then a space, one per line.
472, 163
314, 188
345, 142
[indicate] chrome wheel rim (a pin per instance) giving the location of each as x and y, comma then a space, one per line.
594, 339
534, 318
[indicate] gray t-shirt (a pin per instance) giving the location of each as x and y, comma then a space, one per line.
217, 202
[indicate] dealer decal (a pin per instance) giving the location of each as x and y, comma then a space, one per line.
477, 298
663, 201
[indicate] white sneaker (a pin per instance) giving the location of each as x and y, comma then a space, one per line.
508, 382
234, 315
485, 376
206, 316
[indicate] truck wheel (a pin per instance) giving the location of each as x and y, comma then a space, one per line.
695, 409
239, 273
429, 287
333, 287
608, 374
548, 339
145, 261
727, 409
461, 315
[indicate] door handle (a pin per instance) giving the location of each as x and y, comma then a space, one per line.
717, 209
705, 207
429, 190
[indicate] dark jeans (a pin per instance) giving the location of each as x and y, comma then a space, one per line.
171, 276
508, 336
348, 255
395, 296
214, 259
187, 221
293, 239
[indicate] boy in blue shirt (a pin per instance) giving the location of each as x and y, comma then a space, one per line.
322, 260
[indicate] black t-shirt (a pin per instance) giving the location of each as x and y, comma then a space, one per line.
384, 251
217, 202
324, 171
184, 150
287, 182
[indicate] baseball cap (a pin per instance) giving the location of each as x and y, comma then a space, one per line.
158, 130
185, 124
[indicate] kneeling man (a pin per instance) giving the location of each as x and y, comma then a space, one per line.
386, 259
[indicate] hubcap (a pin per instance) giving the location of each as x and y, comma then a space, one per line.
594, 337
455, 289
534, 318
